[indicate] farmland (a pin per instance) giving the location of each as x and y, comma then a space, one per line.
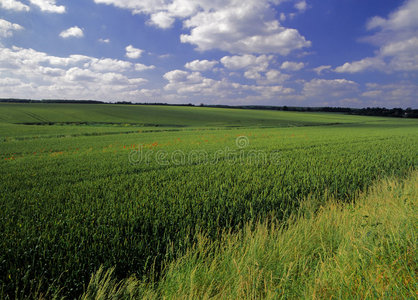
84, 186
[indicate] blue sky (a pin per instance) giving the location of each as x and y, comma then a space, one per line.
275, 52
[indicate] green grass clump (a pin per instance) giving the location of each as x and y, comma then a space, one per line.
351, 251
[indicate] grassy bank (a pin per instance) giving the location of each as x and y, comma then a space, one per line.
361, 250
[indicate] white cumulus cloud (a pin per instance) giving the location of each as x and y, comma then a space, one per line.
360, 65
397, 39
241, 30
254, 67
237, 62
401, 94
292, 66
161, 19
230, 25
176, 75
201, 65
7, 28
49, 6
27, 73
334, 88
75, 31
274, 77
107, 65
184, 85
142, 67
14, 5
132, 52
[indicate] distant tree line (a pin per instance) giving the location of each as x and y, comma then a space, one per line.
369, 111
12, 100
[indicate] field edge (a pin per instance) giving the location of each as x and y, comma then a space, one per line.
366, 248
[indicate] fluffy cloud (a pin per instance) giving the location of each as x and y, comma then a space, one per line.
142, 67
14, 5
233, 26
292, 66
376, 63
30, 73
347, 93
193, 84
77, 74
71, 60
107, 65
401, 94
403, 54
176, 76
404, 18
397, 40
183, 82
244, 61
188, 86
49, 6
201, 65
7, 28
239, 28
334, 88
161, 20
75, 31
274, 77
255, 67
132, 52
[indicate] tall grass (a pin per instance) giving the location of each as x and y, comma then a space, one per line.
366, 249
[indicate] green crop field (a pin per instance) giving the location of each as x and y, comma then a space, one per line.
84, 186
